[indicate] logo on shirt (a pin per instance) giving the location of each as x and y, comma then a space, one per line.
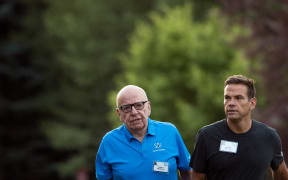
157, 147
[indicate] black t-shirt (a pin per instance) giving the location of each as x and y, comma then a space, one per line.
224, 155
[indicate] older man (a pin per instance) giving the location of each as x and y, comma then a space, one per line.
141, 148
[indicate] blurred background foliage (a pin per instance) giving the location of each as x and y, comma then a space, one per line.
62, 62
182, 65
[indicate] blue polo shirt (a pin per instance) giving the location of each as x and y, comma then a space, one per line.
121, 156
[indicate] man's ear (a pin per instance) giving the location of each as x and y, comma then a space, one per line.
118, 113
149, 108
253, 102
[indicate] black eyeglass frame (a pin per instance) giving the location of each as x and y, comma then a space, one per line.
129, 106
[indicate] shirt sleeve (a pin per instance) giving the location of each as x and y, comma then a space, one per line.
103, 168
278, 154
184, 156
198, 158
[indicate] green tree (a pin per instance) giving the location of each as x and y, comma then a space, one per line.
25, 152
182, 64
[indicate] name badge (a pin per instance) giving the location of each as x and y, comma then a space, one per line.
228, 146
160, 166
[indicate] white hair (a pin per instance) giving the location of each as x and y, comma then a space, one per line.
129, 88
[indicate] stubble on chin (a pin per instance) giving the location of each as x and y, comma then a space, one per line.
137, 126
233, 119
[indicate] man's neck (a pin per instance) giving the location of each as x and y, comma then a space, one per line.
240, 126
139, 134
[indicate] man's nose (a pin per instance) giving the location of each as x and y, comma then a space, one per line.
133, 110
231, 102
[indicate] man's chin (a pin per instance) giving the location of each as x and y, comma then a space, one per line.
233, 118
138, 127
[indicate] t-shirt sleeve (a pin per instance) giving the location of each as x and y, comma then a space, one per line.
184, 156
278, 154
103, 168
198, 157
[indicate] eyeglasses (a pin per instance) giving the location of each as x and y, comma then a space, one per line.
128, 107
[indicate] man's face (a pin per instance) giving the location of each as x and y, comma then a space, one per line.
135, 119
237, 105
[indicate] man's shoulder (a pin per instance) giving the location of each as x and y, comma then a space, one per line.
161, 124
263, 130
213, 126
113, 133
164, 127
260, 126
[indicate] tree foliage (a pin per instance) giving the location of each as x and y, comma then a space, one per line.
25, 153
182, 65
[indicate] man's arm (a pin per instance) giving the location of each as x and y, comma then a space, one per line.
198, 176
281, 173
186, 175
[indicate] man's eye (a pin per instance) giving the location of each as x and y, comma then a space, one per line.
125, 107
138, 104
239, 97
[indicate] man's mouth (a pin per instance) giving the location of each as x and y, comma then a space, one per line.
230, 110
134, 120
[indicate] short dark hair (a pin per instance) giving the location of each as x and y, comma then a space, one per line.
240, 79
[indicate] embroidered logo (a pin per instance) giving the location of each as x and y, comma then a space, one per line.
157, 147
